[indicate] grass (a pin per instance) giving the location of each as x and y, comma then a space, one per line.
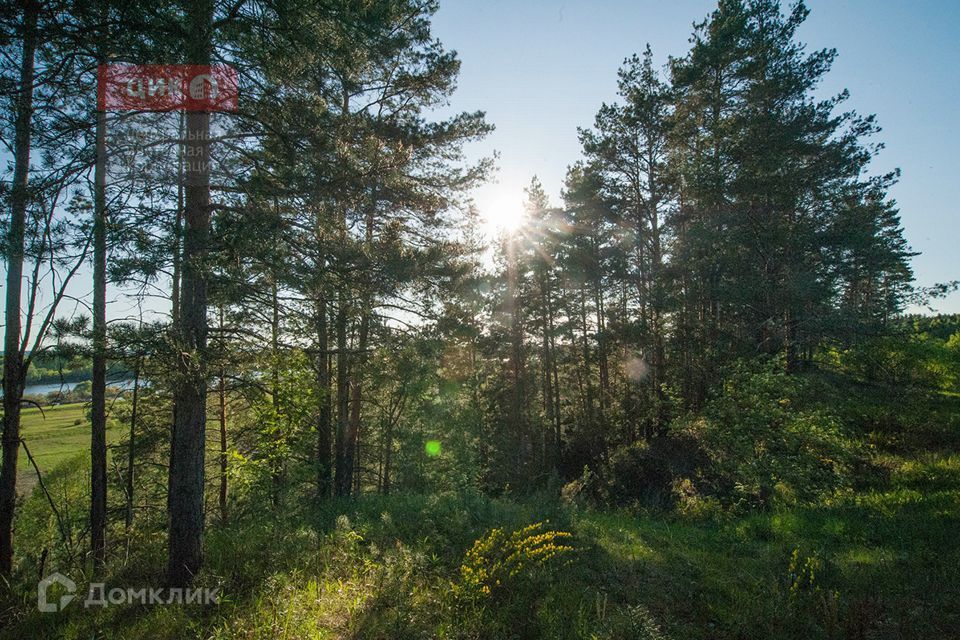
876, 564
55, 436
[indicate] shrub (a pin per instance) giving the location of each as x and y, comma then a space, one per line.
691, 503
583, 491
500, 559
763, 448
647, 472
505, 582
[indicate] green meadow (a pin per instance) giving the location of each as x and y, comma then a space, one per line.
55, 435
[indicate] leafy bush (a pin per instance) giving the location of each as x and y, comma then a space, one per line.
505, 580
762, 447
586, 490
647, 473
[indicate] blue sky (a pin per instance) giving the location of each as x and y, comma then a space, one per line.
541, 68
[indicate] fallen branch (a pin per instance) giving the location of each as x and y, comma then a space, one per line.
36, 404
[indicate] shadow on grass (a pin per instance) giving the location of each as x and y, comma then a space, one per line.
882, 565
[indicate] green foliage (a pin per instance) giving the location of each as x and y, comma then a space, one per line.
897, 390
631, 623
648, 472
904, 363
501, 562
764, 447
719, 213
877, 564
585, 490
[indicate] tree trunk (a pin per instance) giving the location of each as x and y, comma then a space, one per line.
98, 396
555, 387
325, 419
393, 417
13, 372
222, 499
657, 374
342, 472
356, 386
222, 397
278, 463
387, 458
589, 408
131, 449
353, 435
549, 378
185, 503
177, 232
516, 359
603, 366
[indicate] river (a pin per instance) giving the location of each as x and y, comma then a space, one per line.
65, 387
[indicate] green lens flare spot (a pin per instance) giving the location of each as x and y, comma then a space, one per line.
433, 448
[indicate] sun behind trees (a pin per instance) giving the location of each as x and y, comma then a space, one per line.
721, 213
342, 392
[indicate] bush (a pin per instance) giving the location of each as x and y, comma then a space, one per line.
500, 560
583, 491
505, 580
646, 473
763, 448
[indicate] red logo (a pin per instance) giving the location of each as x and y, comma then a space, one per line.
166, 87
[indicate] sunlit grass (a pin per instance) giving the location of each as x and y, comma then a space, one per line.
385, 567
55, 435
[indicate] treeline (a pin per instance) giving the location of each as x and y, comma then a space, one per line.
723, 211
333, 319
66, 367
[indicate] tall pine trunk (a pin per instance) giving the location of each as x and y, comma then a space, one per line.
131, 451
356, 385
551, 406
98, 394
185, 501
387, 451
352, 455
325, 418
277, 472
222, 401
517, 395
342, 476
13, 372
177, 232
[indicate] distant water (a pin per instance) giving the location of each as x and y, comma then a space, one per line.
66, 387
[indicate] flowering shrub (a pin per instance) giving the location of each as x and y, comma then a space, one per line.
802, 574
499, 558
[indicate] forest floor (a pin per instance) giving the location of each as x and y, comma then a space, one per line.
880, 563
